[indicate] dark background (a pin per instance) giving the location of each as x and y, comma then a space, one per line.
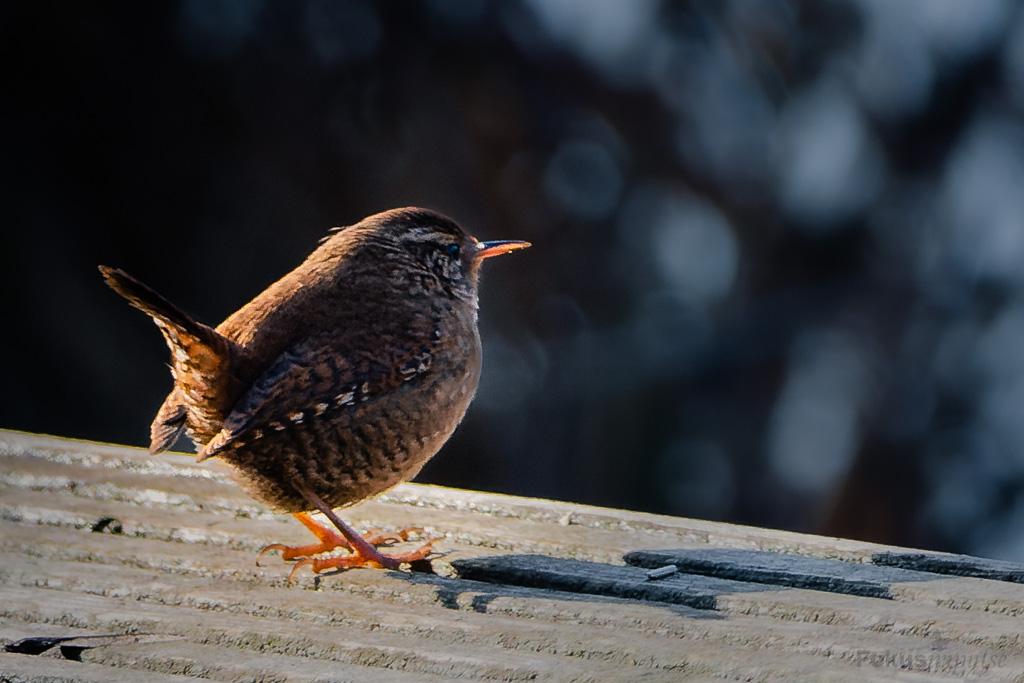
778, 273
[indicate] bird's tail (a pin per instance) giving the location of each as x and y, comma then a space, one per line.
200, 358
149, 301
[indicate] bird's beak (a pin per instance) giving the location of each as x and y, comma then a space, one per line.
488, 249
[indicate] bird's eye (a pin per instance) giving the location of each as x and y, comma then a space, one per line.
452, 250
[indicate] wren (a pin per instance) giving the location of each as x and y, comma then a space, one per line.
337, 382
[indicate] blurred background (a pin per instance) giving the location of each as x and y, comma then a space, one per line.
778, 265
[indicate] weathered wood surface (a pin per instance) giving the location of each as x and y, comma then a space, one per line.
156, 555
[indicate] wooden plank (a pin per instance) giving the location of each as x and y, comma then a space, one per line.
26, 669
72, 647
593, 578
101, 472
779, 569
744, 597
953, 565
175, 558
531, 650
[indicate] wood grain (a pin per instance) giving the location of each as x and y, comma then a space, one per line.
101, 540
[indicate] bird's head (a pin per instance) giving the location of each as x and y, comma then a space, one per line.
427, 247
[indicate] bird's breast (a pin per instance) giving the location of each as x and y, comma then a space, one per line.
367, 443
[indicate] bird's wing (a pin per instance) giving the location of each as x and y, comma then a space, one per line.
169, 423
309, 380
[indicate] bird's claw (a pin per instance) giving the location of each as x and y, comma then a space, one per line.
378, 560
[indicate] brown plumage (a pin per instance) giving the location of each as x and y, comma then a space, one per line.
342, 378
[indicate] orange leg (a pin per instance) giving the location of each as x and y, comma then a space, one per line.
363, 551
329, 540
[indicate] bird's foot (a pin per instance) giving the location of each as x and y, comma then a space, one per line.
367, 558
363, 550
328, 539
383, 539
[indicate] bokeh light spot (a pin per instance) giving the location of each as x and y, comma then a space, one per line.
584, 179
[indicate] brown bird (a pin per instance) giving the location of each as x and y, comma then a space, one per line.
337, 382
